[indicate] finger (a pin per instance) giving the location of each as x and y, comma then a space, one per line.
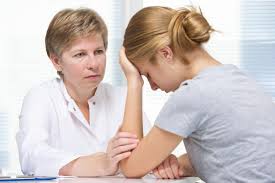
122, 52
168, 169
117, 136
122, 149
174, 166
125, 134
122, 56
162, 172
156, 173
121, 156
124, 141
110, 144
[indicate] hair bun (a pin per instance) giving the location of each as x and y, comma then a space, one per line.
196, 27
188, 28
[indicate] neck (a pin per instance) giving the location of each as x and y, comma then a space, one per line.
79, 95
195, 62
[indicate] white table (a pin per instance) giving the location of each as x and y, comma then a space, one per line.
115, 179
125, 180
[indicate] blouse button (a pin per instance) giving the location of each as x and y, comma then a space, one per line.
93, 103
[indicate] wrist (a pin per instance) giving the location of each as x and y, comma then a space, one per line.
108, 167
134, 83
186, 166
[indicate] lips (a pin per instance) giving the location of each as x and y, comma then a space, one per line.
94, 76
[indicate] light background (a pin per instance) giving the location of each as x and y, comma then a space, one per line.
245, 37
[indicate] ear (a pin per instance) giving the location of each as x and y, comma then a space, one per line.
166, 53
56, 62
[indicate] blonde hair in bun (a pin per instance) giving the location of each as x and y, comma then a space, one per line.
154, 27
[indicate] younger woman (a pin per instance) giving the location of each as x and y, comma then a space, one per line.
226, 121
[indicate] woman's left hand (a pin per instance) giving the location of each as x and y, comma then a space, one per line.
169, 169
130, 71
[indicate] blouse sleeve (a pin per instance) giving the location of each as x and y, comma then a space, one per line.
36, 156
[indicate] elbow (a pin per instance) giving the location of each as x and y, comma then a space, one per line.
68, 169
65, 171
131, 171
132, 174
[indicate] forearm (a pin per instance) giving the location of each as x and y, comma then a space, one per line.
132, 121
92, 165
150, 152
186, 165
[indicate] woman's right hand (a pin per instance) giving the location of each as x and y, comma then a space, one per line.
130, 71
119, 148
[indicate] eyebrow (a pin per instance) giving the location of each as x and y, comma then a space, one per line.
80, 49
100, 47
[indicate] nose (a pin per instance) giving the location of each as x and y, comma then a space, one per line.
92, 63
153, 85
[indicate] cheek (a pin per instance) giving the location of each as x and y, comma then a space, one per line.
101, 62
163, 79
73, 70
156, 79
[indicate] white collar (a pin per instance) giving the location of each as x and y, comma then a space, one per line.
70, 101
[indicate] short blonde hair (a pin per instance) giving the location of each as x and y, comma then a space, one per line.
69, 24
154, 27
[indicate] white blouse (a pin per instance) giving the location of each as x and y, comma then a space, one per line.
53, 131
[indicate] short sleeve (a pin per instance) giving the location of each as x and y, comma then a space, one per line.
146, 124
182, 112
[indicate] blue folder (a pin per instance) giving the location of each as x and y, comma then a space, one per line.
25, 178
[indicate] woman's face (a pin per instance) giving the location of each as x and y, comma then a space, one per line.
83, 63
160, 74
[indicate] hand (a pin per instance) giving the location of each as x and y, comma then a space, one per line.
130, 71
169, 168
119, 148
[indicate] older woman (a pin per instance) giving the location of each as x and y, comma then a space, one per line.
69, 125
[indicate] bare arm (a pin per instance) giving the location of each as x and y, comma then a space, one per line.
92, 165
157, 145
150, 152
102, 163
132, 121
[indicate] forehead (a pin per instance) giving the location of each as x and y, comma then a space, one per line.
85, 42
143, 65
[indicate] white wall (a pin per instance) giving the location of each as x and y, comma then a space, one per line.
24, 63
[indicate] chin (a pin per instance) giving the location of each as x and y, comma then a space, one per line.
165, 90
